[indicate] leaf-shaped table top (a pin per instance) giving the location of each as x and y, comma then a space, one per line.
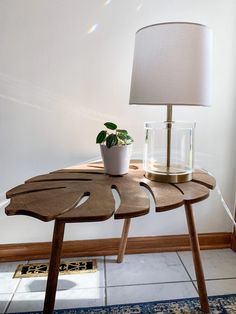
57, 195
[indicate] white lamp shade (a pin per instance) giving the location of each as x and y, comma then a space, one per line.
172, 65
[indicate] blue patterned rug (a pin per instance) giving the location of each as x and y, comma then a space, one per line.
225, 304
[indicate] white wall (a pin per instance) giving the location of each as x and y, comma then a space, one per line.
59, 83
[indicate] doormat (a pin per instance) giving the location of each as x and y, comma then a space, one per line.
65, 268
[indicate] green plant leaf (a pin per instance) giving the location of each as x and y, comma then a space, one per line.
101, 137
111, 140
110, 125
128, 140
122, 131
122, 134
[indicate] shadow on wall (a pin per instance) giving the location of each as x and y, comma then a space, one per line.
42, 131
29, 95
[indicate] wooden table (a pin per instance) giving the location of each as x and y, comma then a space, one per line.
56, 196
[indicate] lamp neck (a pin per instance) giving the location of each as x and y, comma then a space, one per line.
169, 114
169, 120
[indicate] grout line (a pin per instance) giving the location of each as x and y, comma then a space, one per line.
105, 278
8, 304
187, 272
13, 293
215, 279
149, 283
229, 278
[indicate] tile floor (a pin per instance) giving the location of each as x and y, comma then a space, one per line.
140, 278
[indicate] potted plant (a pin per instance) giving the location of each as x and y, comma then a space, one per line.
116, 146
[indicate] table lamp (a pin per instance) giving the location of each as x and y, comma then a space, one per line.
171, 67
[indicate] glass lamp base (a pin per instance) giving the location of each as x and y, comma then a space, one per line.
168, 155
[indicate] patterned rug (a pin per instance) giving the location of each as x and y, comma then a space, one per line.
218, 305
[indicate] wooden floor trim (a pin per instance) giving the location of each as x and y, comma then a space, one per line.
170, 243
233, 241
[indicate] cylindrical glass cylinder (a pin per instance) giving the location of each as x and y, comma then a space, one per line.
168, 150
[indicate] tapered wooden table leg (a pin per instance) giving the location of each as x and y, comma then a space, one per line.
57, 241
197, 258
123, 240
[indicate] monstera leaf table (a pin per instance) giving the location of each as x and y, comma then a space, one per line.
56, 196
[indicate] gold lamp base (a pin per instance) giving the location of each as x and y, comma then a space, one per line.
169, 178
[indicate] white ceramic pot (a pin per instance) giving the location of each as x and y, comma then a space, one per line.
116, 159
